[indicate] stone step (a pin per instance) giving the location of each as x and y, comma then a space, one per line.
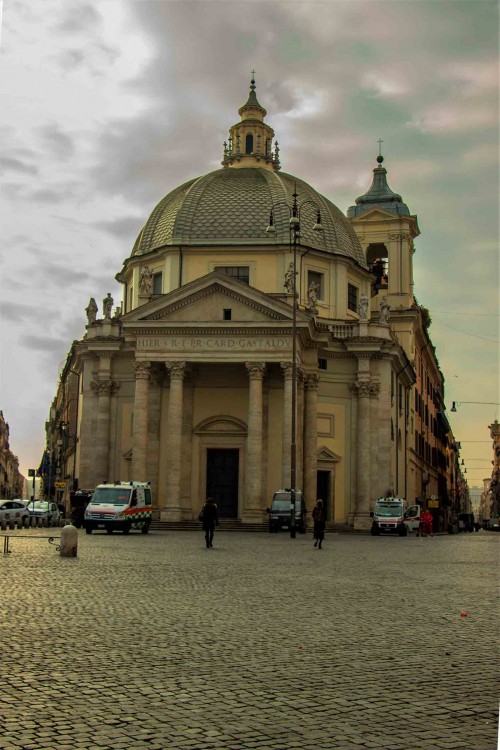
226, 524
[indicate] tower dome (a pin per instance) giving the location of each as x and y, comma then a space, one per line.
379, 194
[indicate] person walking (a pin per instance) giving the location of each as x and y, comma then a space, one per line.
319, 519
427, 519
209, 520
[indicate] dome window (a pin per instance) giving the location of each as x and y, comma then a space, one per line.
352, 297
249, 144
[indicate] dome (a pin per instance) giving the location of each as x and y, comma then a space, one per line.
232, 207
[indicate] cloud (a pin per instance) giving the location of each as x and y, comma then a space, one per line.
385, 84
58, 142
16, 311
452, 117
83, 19
125, 228
46, 344
11, 164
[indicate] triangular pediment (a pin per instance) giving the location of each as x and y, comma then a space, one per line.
325, 454
376, 214
204, 301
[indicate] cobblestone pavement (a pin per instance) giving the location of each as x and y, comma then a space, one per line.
262, 643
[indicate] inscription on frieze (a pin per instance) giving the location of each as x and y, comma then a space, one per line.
213, 343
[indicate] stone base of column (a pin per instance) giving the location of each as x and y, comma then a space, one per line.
171, 514
254, 516
362, 522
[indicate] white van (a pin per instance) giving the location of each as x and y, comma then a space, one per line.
391, 516
120, 506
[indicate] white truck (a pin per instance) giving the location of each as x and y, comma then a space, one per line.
121, 506
391, 516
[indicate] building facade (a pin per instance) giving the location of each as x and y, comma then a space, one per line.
189, 383
11, 480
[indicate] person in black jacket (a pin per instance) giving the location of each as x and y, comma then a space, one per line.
210, 520
319, 519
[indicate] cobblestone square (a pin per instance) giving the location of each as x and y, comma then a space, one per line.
155, 642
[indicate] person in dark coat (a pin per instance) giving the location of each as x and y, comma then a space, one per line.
319, 519
209, 520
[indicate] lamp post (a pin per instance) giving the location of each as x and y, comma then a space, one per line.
454, 404
294, 227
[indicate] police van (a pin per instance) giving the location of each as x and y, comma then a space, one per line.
121, 506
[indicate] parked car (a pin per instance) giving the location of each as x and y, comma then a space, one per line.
45, 510
13, 510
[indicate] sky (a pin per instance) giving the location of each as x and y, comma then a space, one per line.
107, 105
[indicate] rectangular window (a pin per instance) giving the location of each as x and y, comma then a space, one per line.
227, 314
158, 283
322, 364
241, 273
316, 278
352, 297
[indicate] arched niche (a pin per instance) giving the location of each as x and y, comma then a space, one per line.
377, 259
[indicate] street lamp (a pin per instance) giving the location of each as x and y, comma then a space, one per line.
294, 224
454, 404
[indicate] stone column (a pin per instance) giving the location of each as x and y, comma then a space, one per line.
174, 441
187, 446
140, 437
287, 424
362, 516
300, 430
154, 425
311, 439
253, 470
375, 475
105, 388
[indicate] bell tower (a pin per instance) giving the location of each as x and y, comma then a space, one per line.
250, 142
386, 230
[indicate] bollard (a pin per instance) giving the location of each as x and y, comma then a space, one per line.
39, 522
3, 523
12, 524
26, 522
69, 541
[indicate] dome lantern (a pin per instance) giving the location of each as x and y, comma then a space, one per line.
250, 141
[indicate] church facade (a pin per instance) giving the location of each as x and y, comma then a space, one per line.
190, 383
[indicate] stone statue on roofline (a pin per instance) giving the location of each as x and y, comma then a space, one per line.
146, 282
107, 306
312, 296
289, 278
363, 307
384, 312
91, 311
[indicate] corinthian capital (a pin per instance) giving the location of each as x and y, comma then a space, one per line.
255, 370
287, 368
176, 370
312, 381
106, 387
141, 370
361, 388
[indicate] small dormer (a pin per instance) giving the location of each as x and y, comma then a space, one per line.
250, 142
